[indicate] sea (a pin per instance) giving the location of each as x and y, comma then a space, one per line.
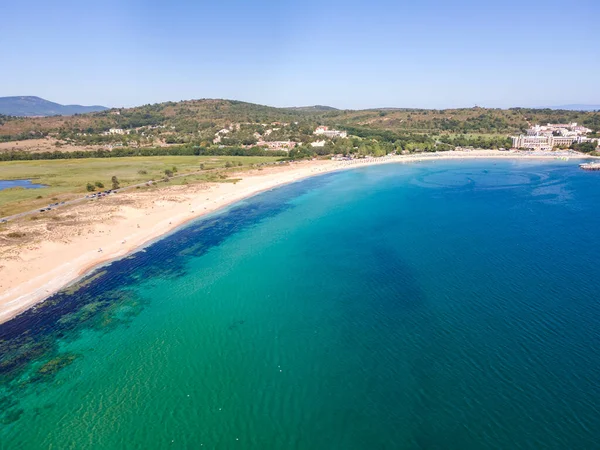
431, 305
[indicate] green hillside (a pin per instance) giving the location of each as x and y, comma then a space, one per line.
196, 123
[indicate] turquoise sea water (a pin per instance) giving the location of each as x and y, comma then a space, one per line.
435, 305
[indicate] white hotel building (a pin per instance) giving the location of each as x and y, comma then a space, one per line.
551, 135
325, 131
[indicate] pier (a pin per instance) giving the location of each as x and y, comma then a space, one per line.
590, 166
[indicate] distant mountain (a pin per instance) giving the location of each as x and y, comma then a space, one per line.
36, 106
578, 107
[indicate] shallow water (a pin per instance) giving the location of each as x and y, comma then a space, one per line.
432, 305
26, 184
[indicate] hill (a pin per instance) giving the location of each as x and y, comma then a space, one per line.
313, 108
27, 106
229, 123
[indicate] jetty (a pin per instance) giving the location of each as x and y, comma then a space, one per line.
590, 166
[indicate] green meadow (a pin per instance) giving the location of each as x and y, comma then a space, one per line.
67, 179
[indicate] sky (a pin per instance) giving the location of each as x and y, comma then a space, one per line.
346, 54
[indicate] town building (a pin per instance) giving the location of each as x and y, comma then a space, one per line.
219, 135
277, 145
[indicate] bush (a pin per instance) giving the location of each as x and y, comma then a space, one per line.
16, 235
168, 173
142, 172
90, 187
228, 164
115, 182
99, 184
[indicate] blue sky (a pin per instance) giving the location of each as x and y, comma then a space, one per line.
350, 54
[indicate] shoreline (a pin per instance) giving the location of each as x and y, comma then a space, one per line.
42, 269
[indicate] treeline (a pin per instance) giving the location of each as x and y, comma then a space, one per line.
428, 142
492, 142
23, 136
183, 150
585, 147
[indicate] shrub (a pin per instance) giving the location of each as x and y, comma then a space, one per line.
115, 182
90, 187
228, 164
99, 184
168, 173
142, 172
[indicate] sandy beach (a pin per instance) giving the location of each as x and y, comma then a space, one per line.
71, 241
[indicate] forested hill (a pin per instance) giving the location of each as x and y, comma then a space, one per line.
36, 106
194, 120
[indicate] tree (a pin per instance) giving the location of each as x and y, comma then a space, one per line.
90, 187
168, 173
585, 147
115, 182
99, 184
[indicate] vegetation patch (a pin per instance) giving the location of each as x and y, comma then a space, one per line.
16, 235
53, 366
72, 289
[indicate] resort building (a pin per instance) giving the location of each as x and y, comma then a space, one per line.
532, 142
325, 131
548, 142
547, 137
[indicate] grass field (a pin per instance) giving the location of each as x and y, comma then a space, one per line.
67, 179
